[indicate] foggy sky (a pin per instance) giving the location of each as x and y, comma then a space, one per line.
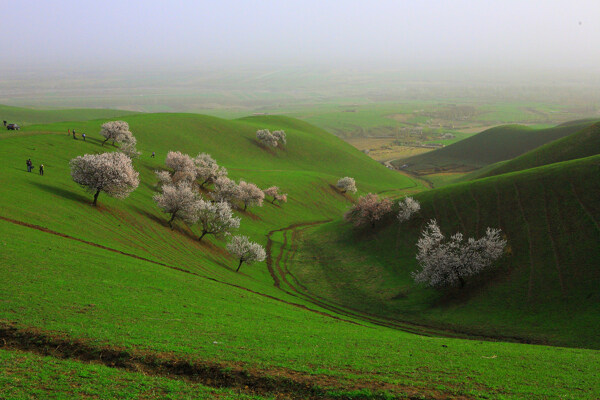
421, 34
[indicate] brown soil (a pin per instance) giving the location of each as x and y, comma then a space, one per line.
279, 383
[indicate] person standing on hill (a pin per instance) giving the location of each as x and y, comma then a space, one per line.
83, 136
74, 135
29, 165
69, 132
42, 169
152, 156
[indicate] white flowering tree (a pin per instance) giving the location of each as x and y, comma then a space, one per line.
346, 184
280, 137
447, 263
182, 165
207, 169
177, 200
164, 178
408, 207
226, 190
245, 250
250, 194
214, 218
264, 136
117, 131
368, 210
129, 147
111, 173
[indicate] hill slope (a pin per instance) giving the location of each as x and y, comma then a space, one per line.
114, 285
544, 289
488, 147
580, 144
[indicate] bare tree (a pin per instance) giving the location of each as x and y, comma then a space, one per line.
250, 194
346, 184
368, 210
178, 200
207, 169
226, 190
214, 218
448, 263
111, 173
245, 250
408, 207
117, 131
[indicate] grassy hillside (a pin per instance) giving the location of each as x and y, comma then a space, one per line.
488, 147
581, 144
544, 289
114, 286
27, 116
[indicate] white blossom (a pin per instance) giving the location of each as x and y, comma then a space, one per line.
449, 263
207, 169
214, 218
346, 184
182, 166
226, 190
368, 210
177, 200
245, 250
117, 131
273, 192
111, 173
408, 207
250, 194
265, 137
280, 136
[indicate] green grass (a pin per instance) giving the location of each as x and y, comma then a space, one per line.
580, 144
488, 147
25, 375
76, 282
27, 116
550, 218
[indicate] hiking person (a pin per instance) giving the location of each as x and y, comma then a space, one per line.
152, 156
69, 132
83, 136
29, 165
74, 134
4, 123
41, 169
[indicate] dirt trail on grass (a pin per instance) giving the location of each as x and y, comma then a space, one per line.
278, 383
298, 290
302, 306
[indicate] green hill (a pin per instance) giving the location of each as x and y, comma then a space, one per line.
581, 144
27, 116
488, 147
114, 287
544, 290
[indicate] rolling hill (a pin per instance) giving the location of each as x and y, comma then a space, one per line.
488, 147
583, 143
543, 290
26, 116
88, 291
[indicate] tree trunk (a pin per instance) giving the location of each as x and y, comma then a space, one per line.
239, 265
96, 197
106, 140
462, 282
201, 236
245, 206
273, 201
172, 218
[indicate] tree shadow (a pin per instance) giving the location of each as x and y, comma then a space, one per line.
268, 149
151, 216
67, 194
